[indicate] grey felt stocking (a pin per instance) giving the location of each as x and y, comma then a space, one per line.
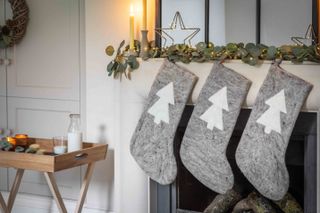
152, 141
203, 149
261, 151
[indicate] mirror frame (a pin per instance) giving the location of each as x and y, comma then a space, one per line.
315, 20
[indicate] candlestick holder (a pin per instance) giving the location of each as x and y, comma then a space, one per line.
130, 52
144, 52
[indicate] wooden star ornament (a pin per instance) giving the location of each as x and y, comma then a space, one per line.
177, 25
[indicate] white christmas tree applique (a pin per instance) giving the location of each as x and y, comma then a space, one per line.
271, 118
214, 116
160, 109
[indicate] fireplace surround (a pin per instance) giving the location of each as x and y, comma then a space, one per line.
301, 159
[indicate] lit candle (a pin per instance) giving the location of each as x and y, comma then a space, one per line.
131, 28
144, 16
21, 136
11, 140
21, 139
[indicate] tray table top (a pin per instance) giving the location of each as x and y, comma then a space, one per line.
91, 152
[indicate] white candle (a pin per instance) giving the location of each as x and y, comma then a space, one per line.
131, 28
144, 16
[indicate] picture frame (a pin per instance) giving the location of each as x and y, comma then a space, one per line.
316, 19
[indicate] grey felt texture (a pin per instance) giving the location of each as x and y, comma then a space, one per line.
261, 156
152, 144
203, 151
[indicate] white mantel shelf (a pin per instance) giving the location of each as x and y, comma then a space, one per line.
138, 88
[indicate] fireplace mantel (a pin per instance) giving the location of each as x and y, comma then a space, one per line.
142, 79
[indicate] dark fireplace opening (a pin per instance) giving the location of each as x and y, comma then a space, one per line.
188, 193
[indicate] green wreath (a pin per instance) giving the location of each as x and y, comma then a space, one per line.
14, 29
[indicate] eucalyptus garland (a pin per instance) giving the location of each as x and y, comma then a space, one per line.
252, 54
14, 29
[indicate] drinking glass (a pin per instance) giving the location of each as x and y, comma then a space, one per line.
60, 144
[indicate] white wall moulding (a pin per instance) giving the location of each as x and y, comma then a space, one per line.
132, 95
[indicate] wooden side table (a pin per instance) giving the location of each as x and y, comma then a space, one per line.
48, 165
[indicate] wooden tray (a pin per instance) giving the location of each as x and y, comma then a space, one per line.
91, 152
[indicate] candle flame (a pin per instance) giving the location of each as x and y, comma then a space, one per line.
131, 10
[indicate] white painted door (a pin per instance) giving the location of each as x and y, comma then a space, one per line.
43, 84
3, 102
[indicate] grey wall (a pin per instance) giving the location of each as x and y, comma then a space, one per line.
240, 20
281, 19
235, 20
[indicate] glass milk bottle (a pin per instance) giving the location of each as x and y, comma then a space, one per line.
74, 133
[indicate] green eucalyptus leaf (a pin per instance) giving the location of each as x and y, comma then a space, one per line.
250, 46
232, 47
241, 45
218, 49
19, 149
133, 62
195, 54
286, 49
109, 50
120, 46
250, 53
110, 67
185, 60
7, 39
272, 53
135, 65
3, 44
4, 144
243, 52
297, 51
250, 60
201, 46
121, 68
255, 51
173, 58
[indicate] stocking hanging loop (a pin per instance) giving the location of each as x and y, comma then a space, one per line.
277, 62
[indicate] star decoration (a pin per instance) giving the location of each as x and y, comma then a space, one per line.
177, 24
309, 36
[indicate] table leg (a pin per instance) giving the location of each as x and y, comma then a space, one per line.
55, 191
84, 187
3, 206
14, 189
